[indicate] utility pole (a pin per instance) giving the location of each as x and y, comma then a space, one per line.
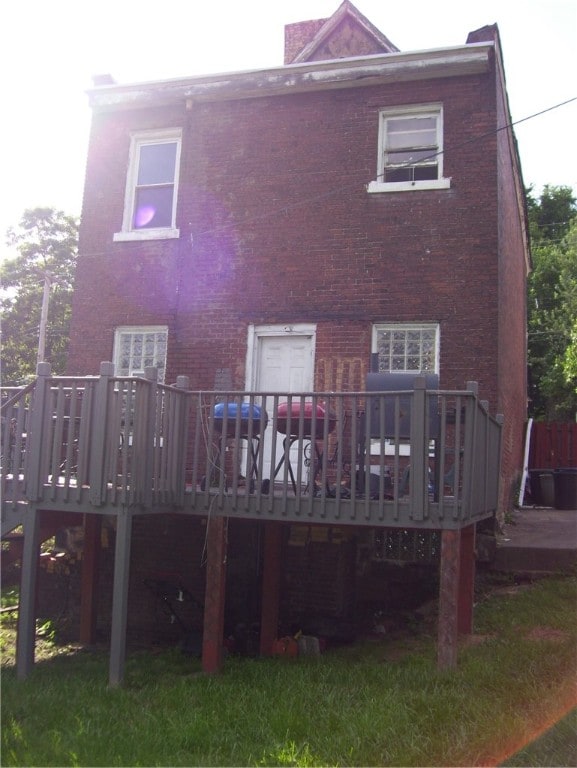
44, 318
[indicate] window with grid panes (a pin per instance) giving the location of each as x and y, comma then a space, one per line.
406, 348
137, 348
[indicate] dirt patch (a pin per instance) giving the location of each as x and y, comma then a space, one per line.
510, 589
473, 640
393, 655
548, 633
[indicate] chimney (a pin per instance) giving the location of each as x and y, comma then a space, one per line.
299, 35
103, 80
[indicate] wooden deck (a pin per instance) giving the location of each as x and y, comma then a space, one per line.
104, 445
382, 459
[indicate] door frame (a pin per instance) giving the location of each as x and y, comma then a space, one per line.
256, 332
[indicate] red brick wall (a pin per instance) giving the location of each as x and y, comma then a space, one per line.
512, 359
318, 579
296, 36
331, 584
277, 226
510, 341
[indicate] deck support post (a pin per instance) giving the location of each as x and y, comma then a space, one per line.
213, 630
99, 424
120, 597
89, 586
26, 637
466, 580
270, 586
448, 599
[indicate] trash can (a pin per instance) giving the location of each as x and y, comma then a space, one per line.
547, 487
542, 487
566, 488
535, 486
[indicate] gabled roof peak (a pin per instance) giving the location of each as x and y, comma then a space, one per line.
345, 34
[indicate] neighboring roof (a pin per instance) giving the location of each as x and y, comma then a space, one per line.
345, 34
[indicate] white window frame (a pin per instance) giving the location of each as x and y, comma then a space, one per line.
421, 110
408, 327
404, 448
138, 140
133, 330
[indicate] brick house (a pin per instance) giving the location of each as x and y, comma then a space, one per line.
289, 225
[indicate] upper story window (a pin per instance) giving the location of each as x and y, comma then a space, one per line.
140, 347
407, 348
151, 186
410, 152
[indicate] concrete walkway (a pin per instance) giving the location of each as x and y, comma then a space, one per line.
538, 539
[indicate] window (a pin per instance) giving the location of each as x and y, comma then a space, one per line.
151, 187
137, 348
407, 348
410, 150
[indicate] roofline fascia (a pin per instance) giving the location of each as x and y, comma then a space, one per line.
469, 59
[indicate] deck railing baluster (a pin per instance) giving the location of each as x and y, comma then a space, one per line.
104, 442
36, 449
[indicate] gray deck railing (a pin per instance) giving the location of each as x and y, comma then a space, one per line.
92, 442
419, 458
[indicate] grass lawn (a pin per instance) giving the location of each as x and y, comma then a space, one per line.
557, 746
374, 704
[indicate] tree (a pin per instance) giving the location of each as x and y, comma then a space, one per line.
550, 216
570, 362
552, 304
47, 244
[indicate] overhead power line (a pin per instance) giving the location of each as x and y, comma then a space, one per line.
543, 111
334, 190
287, 207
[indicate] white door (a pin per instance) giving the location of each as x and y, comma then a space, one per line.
283, 362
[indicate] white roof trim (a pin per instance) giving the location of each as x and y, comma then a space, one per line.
309, 76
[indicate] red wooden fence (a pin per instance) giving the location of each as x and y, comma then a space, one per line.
553, 445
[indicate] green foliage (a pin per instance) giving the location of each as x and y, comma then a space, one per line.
46, 630
382, 703
47, 243
9, 597
552, 304
550, 216
570, 363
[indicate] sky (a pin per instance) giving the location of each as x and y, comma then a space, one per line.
51, 49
